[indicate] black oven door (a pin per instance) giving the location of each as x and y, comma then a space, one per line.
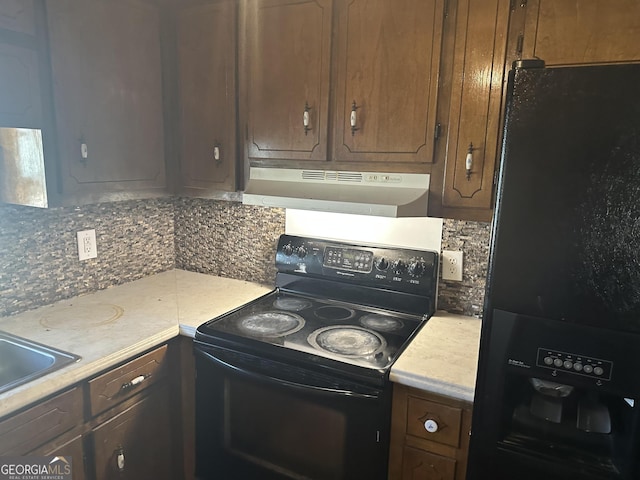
261, 419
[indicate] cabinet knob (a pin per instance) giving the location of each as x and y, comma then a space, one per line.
120, 458
354, 118
306, 118
431, 426
217, 156
468, 163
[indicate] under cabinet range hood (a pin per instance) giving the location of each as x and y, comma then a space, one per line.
363, 193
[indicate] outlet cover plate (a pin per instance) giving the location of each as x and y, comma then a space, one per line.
452, 265
87, 245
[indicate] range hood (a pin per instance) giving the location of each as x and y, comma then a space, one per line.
363, 193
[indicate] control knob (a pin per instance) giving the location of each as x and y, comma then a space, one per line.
287, 249
416, 268
398, 267
302, 252
381, 264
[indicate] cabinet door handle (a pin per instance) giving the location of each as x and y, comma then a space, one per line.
468, 163
120, 458
306, 118
431, 426
354, 118
135, 381
217, 155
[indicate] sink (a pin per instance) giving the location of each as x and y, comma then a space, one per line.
22, 360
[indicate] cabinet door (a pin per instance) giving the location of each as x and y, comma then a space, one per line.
73, 448
206, 45
20, 102
388, 57
136, 443
570, 32
18, 16
475, 107
288, 46
421, 465
107, 88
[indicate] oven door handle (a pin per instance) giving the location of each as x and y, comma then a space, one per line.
279, 381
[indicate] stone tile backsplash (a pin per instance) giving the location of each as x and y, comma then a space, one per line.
39, 257
227, 239
39, 261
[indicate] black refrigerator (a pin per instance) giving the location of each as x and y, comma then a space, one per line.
558, 387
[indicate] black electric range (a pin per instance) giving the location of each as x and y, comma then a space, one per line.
336, 305
295, 384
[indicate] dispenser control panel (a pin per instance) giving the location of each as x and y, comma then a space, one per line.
573, 363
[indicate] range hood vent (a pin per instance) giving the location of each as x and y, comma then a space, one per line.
363, 193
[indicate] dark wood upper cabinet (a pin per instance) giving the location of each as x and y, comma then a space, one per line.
288, 52
570, 32
107, 89
206, 59
18, 16
387, 64
379, 60
477, 72
20, 99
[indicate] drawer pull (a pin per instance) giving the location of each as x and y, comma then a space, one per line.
120, 458
136, 381
431, 426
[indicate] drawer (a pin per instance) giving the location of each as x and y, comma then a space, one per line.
110, 388
444, 422
427, 466
41, 423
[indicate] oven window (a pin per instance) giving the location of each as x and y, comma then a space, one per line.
283, 432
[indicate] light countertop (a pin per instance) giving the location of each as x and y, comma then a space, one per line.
110, 326
443, 357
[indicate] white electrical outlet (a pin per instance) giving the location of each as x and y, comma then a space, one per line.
87, 245
452, 265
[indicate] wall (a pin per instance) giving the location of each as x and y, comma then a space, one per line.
227, 239
39, 257
466, 297
39, 262
208, 230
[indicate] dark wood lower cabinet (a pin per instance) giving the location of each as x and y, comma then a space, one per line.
136, 435
421, 465
429, 436
136, 443
70, 447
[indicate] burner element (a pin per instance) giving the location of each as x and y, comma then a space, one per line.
291, 304
381, 323
348, 341
270, 324
332, 312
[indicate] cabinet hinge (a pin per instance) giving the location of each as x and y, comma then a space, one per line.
446, 8
495, 178
519, 45
520, 3
436, 131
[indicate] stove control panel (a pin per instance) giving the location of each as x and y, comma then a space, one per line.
352, 259
574, 363
396, 268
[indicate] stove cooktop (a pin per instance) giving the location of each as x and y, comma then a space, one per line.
362, 336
